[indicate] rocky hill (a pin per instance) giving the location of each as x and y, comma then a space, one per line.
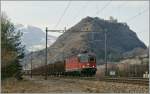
137, 52
89, 34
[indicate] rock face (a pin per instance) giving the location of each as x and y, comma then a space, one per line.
89, 34
137, 52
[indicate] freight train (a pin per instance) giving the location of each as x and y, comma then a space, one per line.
84, 64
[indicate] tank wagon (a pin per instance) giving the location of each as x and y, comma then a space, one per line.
83, 64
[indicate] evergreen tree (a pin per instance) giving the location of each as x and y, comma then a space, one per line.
11, 49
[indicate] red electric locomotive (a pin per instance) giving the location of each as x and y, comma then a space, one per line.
84, 64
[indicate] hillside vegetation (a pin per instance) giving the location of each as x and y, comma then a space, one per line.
11, 49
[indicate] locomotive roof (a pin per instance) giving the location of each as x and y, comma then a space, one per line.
89, 54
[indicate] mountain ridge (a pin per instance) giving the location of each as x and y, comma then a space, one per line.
33, 37
120, 39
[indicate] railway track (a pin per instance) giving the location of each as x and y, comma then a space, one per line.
140, 81
128, 80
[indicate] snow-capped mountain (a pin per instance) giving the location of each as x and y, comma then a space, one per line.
33, 37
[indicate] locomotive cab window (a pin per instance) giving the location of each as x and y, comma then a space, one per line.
92, 59
83, 58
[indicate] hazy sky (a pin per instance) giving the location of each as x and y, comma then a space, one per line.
60, 14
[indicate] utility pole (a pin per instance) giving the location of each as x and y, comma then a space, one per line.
60, 31
46, 56
31, 65
63, 50
64, 29
105, 52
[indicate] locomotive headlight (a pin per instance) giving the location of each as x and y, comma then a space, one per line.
83, 66
88, 64
93, 66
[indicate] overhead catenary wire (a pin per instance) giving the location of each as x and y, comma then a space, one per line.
119, 7
83, 7
138, 14
61, 17
105, 6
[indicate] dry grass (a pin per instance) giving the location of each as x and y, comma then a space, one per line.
13, 86
62, 85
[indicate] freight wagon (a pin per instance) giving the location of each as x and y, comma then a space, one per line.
83, 64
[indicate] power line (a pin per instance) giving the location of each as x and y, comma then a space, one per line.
63, 14
78, 13
119, 7
107, 4
140, 13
